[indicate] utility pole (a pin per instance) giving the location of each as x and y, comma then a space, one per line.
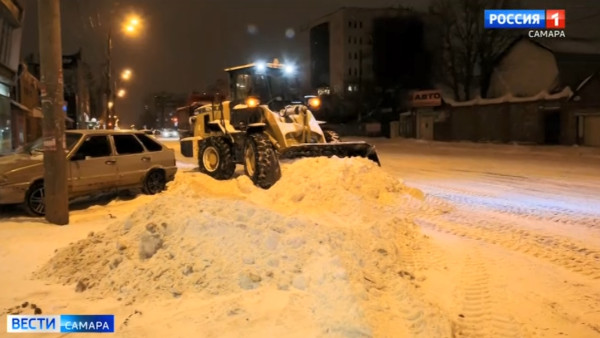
55, 162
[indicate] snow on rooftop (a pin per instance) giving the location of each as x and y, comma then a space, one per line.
584, 82
509, 98
572, 46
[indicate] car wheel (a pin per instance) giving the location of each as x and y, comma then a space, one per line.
155, 182
35, 203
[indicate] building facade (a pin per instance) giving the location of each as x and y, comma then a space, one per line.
344, 49
11, 20
77, 84
160, 110
341, 48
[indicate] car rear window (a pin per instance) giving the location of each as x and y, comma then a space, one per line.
127, 144
149, 143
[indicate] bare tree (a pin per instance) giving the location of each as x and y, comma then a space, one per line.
468, 50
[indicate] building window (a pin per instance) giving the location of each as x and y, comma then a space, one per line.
350, 71
5, 41
360, 41
355, 56
355, 24
350, 56
349, 24
360, 24
355, 40
349, 39
355, 72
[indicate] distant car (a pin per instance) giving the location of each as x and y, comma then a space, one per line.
98, 161
169, 133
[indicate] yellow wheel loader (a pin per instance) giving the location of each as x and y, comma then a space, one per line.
264, 121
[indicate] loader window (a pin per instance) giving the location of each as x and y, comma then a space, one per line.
243, 86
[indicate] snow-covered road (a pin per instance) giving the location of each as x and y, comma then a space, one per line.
520, 217
479, 241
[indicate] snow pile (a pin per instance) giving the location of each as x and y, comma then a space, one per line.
355, 189
221, 238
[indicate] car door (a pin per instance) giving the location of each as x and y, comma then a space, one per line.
93, 165
160, 156
132, 160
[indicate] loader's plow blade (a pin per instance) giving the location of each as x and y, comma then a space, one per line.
341, 149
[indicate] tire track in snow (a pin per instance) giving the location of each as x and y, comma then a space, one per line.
489, 202
482, 312
570, 254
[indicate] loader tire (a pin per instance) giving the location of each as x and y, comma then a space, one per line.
331, 136
261, 163
215, 158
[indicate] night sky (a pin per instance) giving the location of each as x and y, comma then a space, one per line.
186, 44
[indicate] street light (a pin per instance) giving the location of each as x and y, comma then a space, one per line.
121, 93
131, 26
126, 74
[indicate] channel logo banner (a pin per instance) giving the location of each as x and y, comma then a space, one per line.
61, 323
515, 18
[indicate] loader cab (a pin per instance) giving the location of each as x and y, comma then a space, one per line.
273, 84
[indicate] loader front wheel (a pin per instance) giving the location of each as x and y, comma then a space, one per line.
331, 136
260, 161
215, 158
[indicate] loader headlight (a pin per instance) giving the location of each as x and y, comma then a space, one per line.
314, 102
261, 66
289, 70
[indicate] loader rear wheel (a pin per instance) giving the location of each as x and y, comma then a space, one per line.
260, 161
331, 136
215, 158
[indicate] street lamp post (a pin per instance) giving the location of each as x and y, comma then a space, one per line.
109, 99
130, 28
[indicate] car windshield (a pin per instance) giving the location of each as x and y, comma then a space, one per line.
37, 146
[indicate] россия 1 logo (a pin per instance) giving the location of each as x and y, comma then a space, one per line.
542, 23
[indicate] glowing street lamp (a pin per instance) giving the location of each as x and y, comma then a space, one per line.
110, 104
131, 25
126, 74
121, 93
